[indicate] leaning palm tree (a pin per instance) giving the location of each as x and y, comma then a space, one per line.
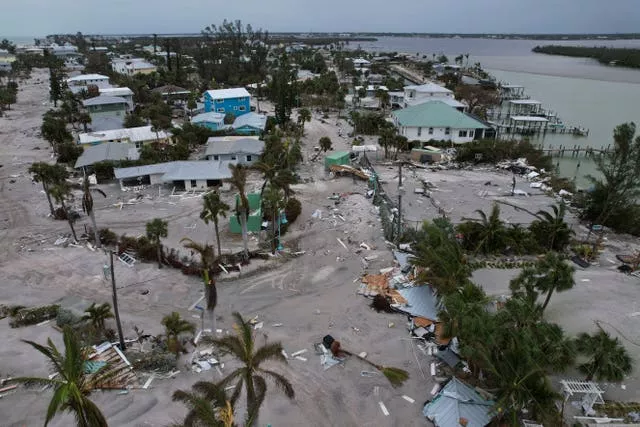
48, 175
87, 207
208, 405
156, 230
97, 314
608, 359
552, 230
71, 384
492, 231
207, 258
239, 181
212, 208
251, 375
175, 326
60, 192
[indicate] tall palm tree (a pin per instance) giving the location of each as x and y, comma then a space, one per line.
48, 175
207, 258
608, 359
551, 274
239, 181
87, 207
60, 192
97, 314
175, 326
208, 405
272, 204
212, 208
157, 229
304, 115
71, 385
251, 375
551, 229
492, 230
84, 119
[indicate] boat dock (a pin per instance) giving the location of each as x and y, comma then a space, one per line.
575, 151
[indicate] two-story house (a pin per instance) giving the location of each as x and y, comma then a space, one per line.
236, 101
121, 92
107, 112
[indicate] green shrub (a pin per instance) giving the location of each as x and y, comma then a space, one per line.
103, 171
35, 315
67, 317
9, 310
161, 361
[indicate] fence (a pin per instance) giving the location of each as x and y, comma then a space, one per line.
388, 210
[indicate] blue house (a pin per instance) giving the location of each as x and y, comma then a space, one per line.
236, 101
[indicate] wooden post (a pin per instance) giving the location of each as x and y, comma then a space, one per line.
115, 302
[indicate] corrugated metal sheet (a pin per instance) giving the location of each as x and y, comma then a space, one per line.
211, 117
435, 114
421, 301
254, 120
103, 100
179, 171
137, 134
455, 401
237, 92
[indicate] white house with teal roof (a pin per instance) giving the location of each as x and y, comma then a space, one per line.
438, 121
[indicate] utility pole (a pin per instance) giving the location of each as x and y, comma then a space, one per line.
399, 201
115, 302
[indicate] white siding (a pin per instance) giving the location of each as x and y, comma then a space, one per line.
156, 178
439, 134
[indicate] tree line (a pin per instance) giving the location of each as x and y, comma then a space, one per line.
625, 57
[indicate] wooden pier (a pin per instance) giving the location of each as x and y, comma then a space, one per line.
575, 151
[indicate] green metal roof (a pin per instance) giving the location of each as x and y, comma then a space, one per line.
337, 155
436, 114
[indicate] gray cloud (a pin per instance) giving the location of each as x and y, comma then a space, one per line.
39, 17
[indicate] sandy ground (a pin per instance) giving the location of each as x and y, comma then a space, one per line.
311, 296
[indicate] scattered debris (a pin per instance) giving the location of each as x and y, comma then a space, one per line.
342, 243
384, 409
408, 399
301, 358
298, 353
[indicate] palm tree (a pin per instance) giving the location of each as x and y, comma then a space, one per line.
207, 258
239, 181
552, 231
208, 405
251, 375
304, 115
97, 314
156, 230
550, 274
175, 326
71, 385
60, 191
272, 203
608, 359
325, 144
212, 208
48, 175
87, 207
84, 119
491, 230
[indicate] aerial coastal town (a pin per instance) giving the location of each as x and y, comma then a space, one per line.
240, 228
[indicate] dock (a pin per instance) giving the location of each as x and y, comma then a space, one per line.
575, 151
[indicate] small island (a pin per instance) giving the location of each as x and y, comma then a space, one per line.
623, 57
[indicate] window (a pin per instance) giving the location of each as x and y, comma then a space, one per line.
235, 108
462, 134
220, 110
219, 101
447, 131
242, 108
138, 145
430, 131
233, 157
216, 157
471, 133
248, 158
194, 183
419, 131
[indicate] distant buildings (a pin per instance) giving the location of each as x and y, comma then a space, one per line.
132, 66
169, 92
236, 101
107, 112
414, 95
361, 63
138, 136
437, 121
6, 59
65, 51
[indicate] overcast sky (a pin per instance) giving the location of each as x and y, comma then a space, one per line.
41, 17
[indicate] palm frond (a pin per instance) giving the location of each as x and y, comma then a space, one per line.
281, 382
272, 351
245, 333
228, 345
396, 376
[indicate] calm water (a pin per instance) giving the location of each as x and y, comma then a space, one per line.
581, 91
